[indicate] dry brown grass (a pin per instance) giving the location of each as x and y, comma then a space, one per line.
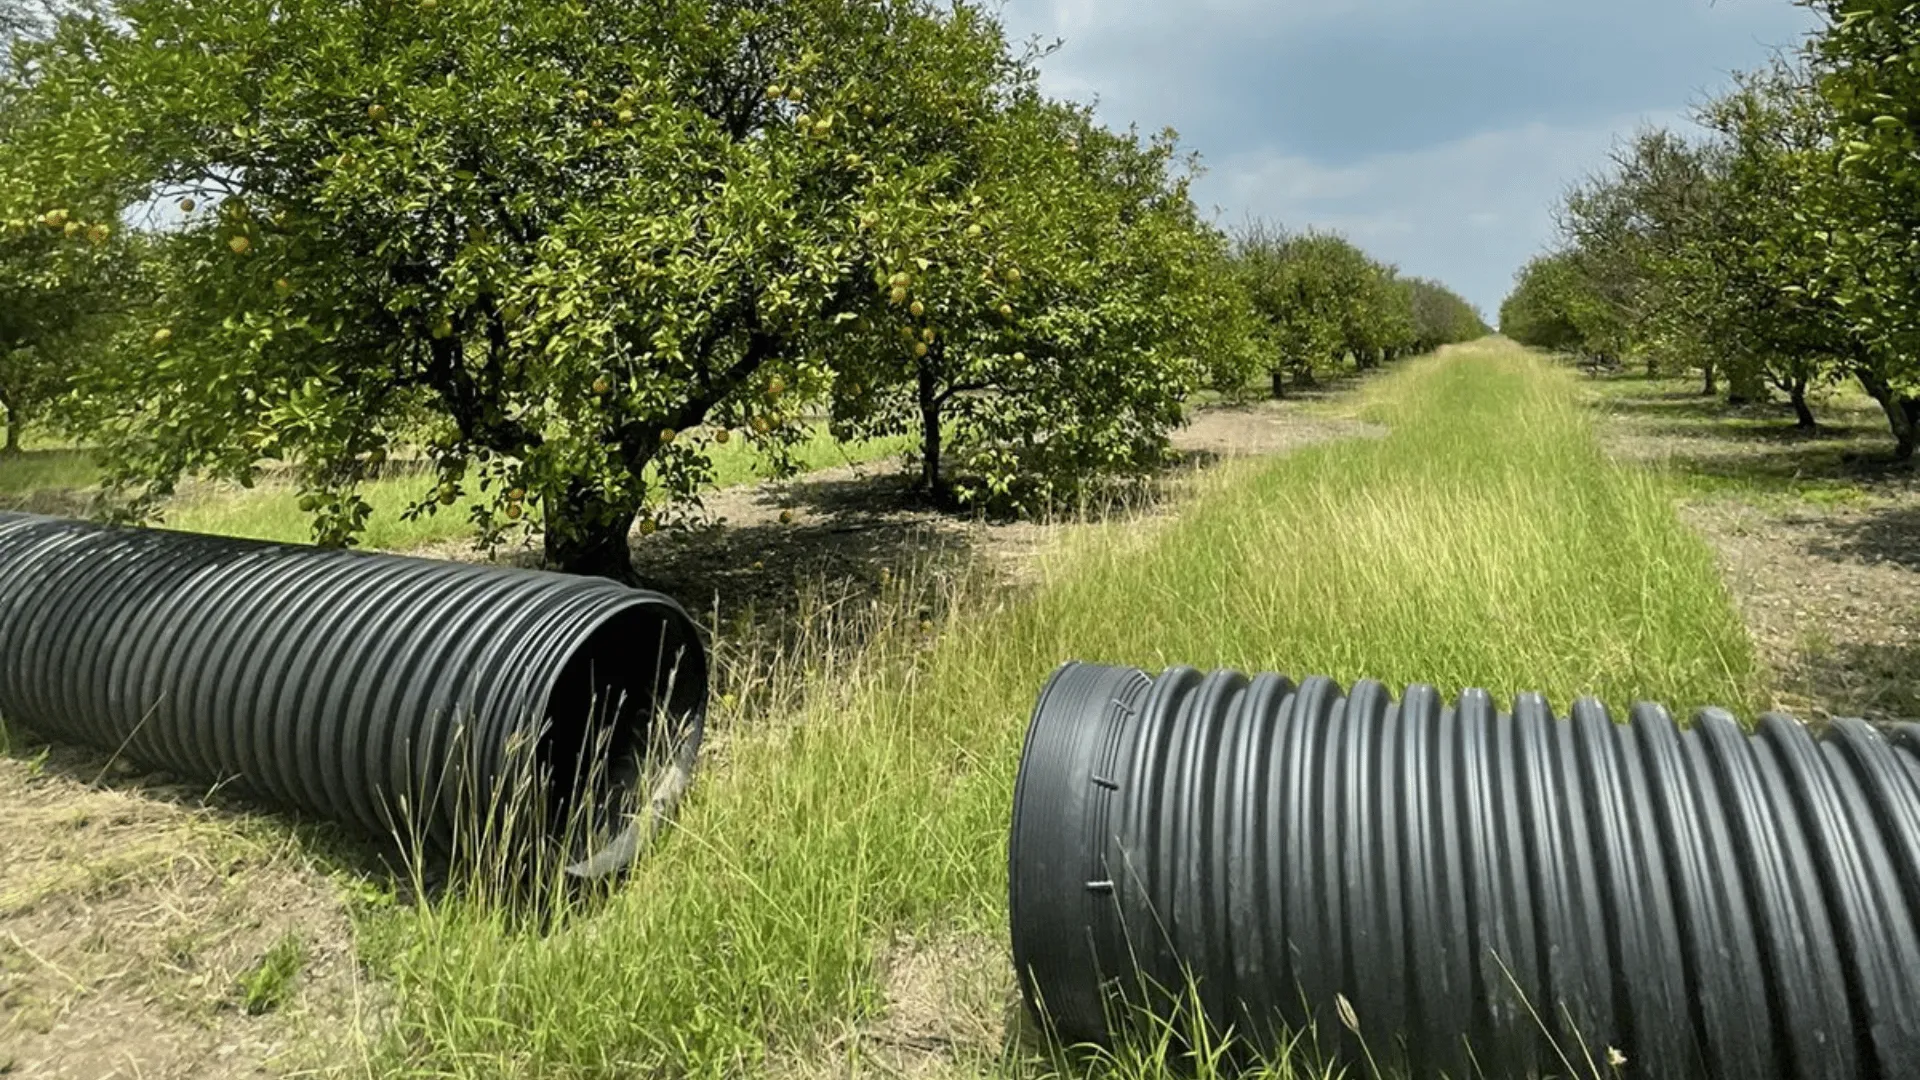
131, 912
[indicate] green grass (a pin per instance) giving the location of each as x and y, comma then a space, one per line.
1487, 541
1752, 453
270, 984
46, 470
271, 511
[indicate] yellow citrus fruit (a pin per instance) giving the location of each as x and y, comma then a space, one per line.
900, 280
775, 92
54, 219
919, 349
514, 511
803, 121
240, 245
376, 112
722, 436
1006, 310
1013, 274
927, 335
601, 386
598, 123
906, 332
72, 228
866, 110
1019, 358
786, 517
667, 437
517, 494
162, 336
761, 425
580, 96
898, 295
626, 116
853, 161
918, 309
448, 494
973, 232
283, 286
776, 386
443, 328
187, 205
649, 527
99, 233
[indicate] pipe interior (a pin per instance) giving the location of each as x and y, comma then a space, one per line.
629, 699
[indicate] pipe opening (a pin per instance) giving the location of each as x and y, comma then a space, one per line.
623, 721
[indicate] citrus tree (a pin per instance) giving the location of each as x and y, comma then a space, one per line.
1439, 316
1043, 306
1549, 307
66, 273
1314, 293
1867, 73
560, 248
64, 279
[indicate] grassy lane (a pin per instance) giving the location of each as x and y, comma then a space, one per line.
1486, 542
272, 512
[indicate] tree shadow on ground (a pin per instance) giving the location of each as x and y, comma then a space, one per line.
1889, 535
1877, 682
774, 551
1794, 467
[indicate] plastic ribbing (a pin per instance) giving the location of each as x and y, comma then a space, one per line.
1499, 894
386, 693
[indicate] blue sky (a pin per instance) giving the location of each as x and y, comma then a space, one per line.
1437, 134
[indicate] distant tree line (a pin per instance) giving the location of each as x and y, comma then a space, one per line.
1320, 301
1773, 254
549, 254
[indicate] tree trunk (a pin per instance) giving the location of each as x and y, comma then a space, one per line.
1653, 367
932, 437
587, 535
1903, 413
13, 434
1712, 386
1803, 413
1279, 383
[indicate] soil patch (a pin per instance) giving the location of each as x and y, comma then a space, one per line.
136, 916
1817, 533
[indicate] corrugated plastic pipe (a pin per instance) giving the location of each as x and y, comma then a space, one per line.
1501, 895
394, 695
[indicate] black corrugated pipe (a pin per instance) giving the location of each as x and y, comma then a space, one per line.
390, 694
1507, 895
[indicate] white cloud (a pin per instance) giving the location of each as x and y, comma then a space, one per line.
1439, 134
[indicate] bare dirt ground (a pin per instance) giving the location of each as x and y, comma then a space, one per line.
1817, 534
136, 914
136, 911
